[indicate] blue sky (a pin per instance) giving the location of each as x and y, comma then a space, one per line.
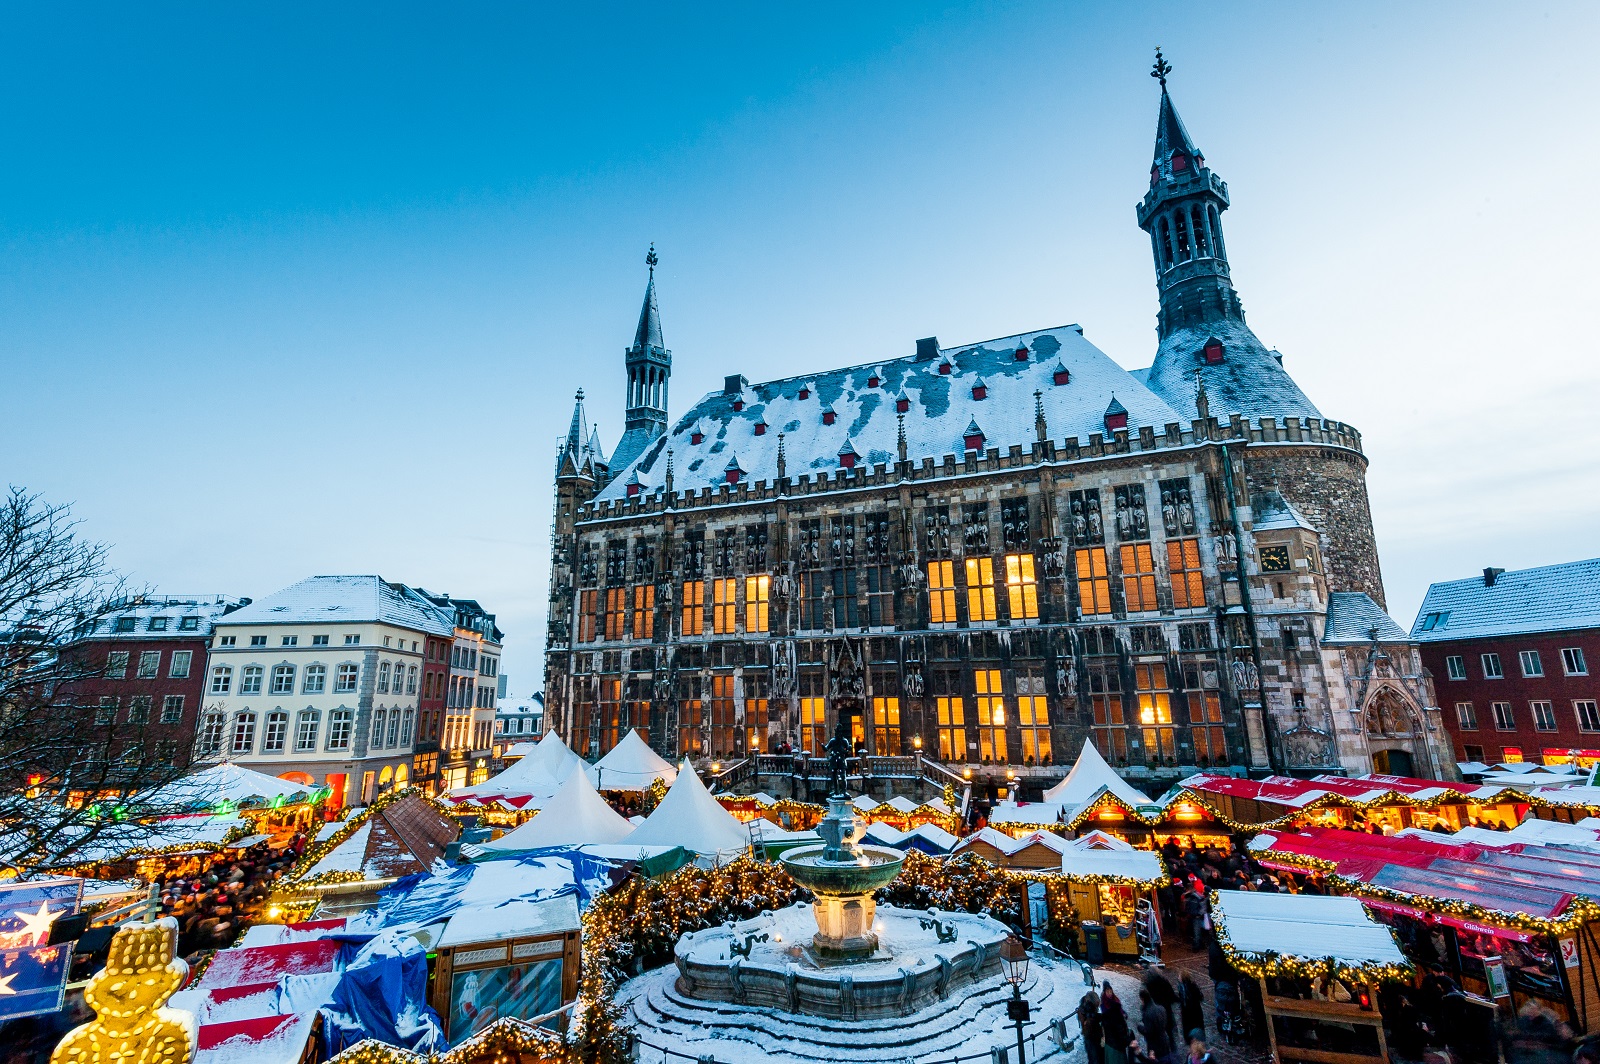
292, 289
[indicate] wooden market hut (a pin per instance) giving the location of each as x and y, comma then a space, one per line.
1040, 850
1388, 803
401, 834
1319, 961
1509, 917
1111, 882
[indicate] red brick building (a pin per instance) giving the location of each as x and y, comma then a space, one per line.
1515, 659
149, 664
430, 713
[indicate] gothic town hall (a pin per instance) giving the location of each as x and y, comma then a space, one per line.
991, 553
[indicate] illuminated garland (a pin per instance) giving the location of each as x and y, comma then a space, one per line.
317, 851
1101, 804
1334, 800
1273, 963
505, 1040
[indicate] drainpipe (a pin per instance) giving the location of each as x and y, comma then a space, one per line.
1249, 607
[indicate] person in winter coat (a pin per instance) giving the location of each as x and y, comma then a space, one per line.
1155, 1023
1114, 1027
1194, 914
1089, 1024
1191, 1006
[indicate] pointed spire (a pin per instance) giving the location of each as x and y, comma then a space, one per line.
1039, 425
649, 332
900, 434
1171, 138
1202, 403
578, 431
668, 480
783, 464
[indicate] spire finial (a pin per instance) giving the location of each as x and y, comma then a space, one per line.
650, 258
1040, 426
1161, 69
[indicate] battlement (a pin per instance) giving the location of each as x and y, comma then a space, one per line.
1144, 439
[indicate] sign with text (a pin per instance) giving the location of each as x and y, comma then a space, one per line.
1494, 973
33, 973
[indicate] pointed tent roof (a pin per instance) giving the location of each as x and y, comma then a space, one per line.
689, 817
225, 782
556, 758
631, 766
648, 334
1090, 774
576, 816
529, 777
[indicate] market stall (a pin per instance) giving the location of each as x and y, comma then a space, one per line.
689, 817
1111, 883
575, 816
1377, 803
1319, 961
1038, 850
401, 834
274, 804
1511, 920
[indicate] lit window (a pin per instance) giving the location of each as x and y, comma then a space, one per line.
1094, 584
1188, 585
724, 605
980, 589
757, 593
1022, 589
644, 611
991, 715
1033, 719
588, 631
1155, 712
813, 725
1139, 578
941, 592
616, 611
694, 607
952, 730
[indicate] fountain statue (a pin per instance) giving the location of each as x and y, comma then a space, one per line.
841, 873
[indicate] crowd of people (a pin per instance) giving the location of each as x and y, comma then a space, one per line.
1169, 1026
212, 907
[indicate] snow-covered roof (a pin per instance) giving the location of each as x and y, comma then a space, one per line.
1089, 775
688, 816
1249, 380
631, 766
575, 816
1025, 813
1308, 927
530, 777
1270, 510
1551, 598
1010, 846
1354, 618
402, 838
1099, 854
941, 407
224, 782
556, 757
346, 600
186, 617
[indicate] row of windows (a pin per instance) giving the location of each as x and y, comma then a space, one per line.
139, 709
149, 667
1572, 663
156, 624
390, 728
313, 679
1543, 714
294, 641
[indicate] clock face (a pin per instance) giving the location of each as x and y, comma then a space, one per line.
1274, 559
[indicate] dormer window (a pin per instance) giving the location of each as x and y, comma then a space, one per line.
1180, 163
697, 437
902, 403
738, 404
1116, 416
805, 393
980, 390
828, 416
944, 369
973, 437
1021, 353
633, 489
1211, 353
1061, 375
847, 456
732, 473
761, 428
874, 380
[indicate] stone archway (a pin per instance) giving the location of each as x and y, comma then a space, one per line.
1395, 734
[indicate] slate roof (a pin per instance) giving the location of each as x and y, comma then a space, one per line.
1248, 381
941, 408
204, 613
349, 600
1551, 598
1351, 617
1269, 510
1171, 138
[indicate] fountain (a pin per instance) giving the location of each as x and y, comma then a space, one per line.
842, 873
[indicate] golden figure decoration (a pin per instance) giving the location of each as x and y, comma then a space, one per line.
130, 1024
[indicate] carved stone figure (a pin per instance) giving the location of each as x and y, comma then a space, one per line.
1169, 513
1096, 533
1245, 676
913, 681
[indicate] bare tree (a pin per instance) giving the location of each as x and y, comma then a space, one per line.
72, 785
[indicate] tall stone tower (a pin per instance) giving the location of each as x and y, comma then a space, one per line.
649, 367
1207, 350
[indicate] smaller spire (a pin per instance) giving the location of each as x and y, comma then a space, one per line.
1202, 403
649, 332
783, 465
668, 483
1039, 425
900, 435
1160, 71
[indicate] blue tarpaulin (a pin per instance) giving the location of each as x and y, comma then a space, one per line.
384, 995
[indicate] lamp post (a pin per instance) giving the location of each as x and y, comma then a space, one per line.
1014, 963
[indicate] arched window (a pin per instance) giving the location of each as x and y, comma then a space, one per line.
305, 730
394, 727
379, 718
210, 734
244, 733
1165, 242
411, 680
1185, 249
383, 677
316, 680
1219, 249
276, 733
405, 728
250, 680
283, 679
221, 681
1202, 242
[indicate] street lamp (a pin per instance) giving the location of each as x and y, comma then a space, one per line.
1014, 963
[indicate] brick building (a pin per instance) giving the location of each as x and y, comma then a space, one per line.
431, 708
993, 552
148, 656
1514, 659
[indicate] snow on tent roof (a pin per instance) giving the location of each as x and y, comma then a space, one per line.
689, 817
576, 816
1099, 854
901, 804
225, 782
1307, 927
631, 766
261, 1040
527, 777
556, 757
1089, 774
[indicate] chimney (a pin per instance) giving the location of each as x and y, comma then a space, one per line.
1489, 576
927, 348
733, 385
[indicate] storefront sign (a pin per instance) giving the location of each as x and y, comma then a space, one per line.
1494, 972
1569, 951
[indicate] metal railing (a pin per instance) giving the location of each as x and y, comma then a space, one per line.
1055, 1032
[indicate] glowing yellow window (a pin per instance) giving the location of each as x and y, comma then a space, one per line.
991, 715
757, 591
1139, 578
1022, 589
694, 607
724, 605
980, 589
1183, 562
941, 592
1094, 586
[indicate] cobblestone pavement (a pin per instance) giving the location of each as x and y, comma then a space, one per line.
1179, 959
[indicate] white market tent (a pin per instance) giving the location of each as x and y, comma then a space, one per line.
1309, 927
1099, 854
689, 817
575, 816
527, 783
631, 766
224, 783
555, 756
1090, 776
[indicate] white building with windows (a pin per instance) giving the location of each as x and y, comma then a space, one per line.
318, 684
517, 720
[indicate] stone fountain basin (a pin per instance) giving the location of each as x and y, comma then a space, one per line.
837, 878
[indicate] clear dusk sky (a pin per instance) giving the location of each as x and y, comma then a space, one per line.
291, 289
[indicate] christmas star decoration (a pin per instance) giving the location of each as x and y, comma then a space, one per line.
5, 983
38, 924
